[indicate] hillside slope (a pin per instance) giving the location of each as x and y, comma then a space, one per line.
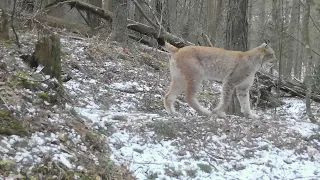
112, 108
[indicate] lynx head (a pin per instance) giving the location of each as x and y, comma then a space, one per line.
269, 58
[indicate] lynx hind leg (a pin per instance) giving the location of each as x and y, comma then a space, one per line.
226, 95
193, 85
176, 88
244, 99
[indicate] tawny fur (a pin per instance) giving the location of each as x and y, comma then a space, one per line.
190, 65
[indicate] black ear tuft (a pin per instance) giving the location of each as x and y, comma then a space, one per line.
161, 41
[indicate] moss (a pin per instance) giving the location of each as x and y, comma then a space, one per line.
6, 166
23, 82
45, 97
7, 43
10, 125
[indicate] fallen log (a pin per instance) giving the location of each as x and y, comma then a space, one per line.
289, 86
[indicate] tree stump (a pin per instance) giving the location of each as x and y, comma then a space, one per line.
4, 26
47, 53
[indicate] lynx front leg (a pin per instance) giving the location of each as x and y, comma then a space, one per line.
243, 96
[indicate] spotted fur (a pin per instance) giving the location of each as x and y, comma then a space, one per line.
190, 65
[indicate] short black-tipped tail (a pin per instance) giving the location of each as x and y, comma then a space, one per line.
167, 46
161, 41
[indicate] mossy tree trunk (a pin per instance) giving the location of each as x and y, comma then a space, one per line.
48, 53
4, 26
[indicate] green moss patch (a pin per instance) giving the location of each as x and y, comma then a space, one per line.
11, 126
23, 82
44, 96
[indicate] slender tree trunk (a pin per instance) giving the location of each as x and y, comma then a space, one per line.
237, 36
308, 77
297, 52
294, 21
273, 29
213, 25
262, 20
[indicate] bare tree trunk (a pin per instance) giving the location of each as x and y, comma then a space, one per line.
298, 50
273, 29
237, 36
93, 20
119, 22
213, 25
308, 78
262, 20
290, 41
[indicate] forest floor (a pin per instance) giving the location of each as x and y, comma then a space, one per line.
110, 123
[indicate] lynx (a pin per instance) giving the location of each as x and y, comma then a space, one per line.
190, 65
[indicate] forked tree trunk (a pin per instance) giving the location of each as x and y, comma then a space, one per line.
237, 37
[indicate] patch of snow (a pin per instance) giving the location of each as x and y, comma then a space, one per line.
296, 111
149, 158
63, 158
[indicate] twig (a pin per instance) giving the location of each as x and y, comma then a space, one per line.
207, 39
4, 102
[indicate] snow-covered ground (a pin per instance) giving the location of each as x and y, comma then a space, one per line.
274, 147
163, 159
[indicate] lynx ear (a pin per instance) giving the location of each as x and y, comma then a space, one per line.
266, 43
